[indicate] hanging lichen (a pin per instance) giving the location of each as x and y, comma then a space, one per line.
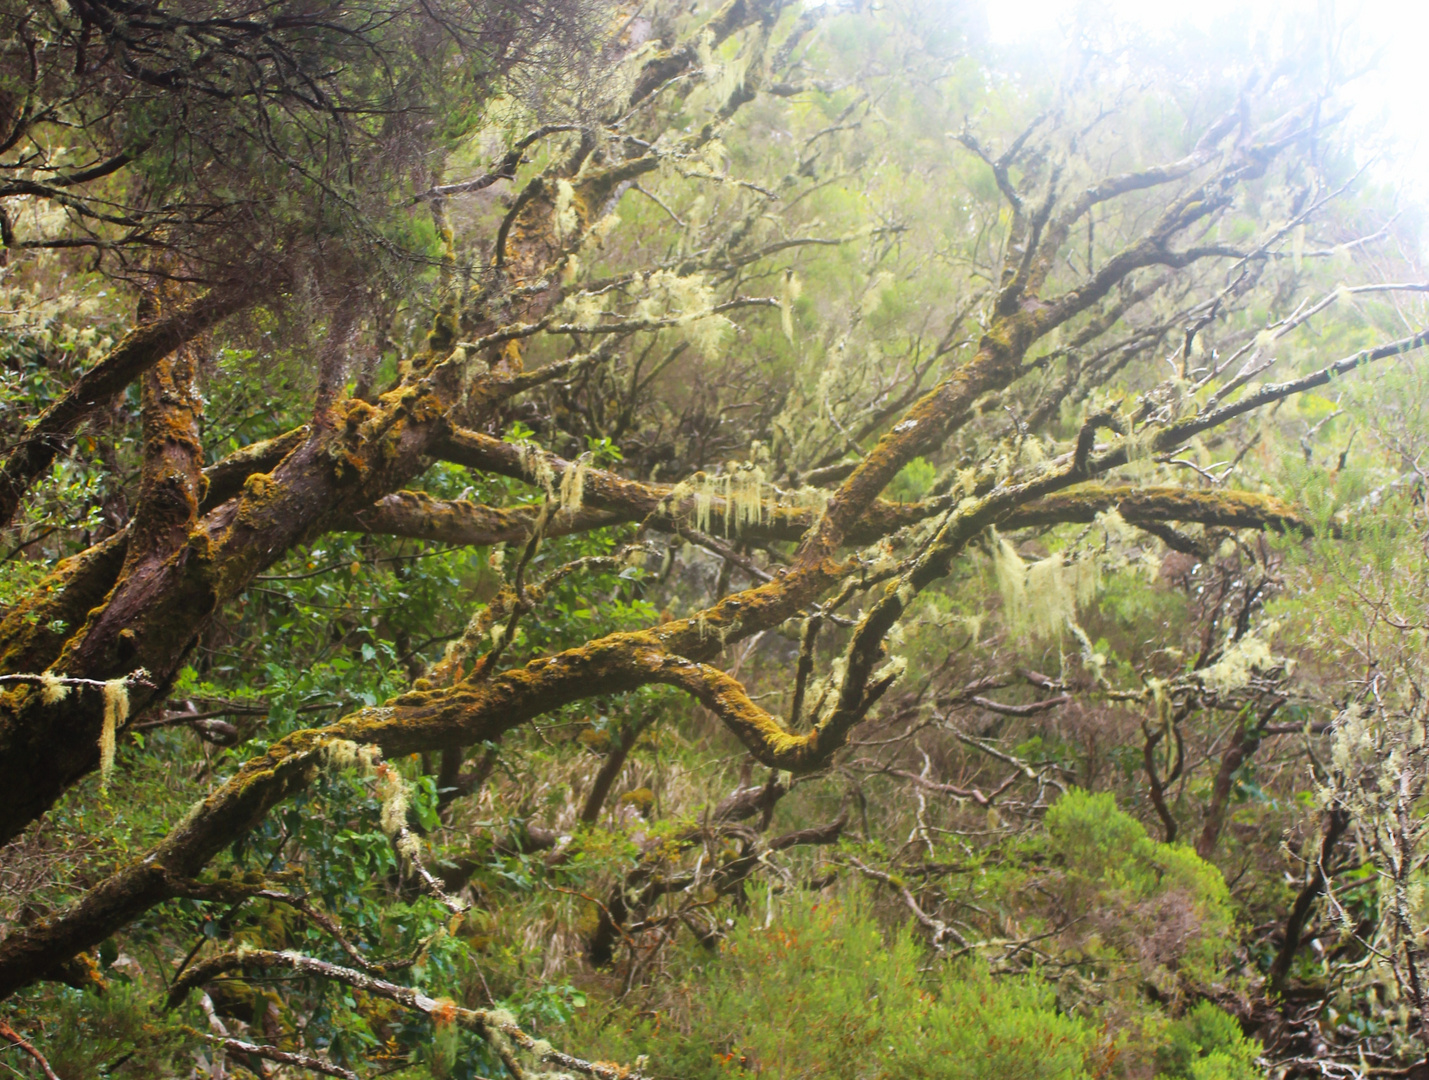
52, 688
704, 52
966, 485
744, 505
788, 295
567, 219
392, 796
1140, 446
534, 464
1011, 574
1162, 700
722, 78
1239, 661
873, 296
116, 712
343, 754
1094, 661
603, 228
1041, 600
573, 484
704, 498
688, 300
741, 487
695, 217
584, 308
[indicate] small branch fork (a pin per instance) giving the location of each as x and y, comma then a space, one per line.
492, 1025
941, 932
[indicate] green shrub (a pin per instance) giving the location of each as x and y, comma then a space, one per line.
122, 1033
977, 1028
1207, 1044
822, 992
1158, 911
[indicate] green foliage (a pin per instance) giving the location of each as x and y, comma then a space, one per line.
1207, 1044
824, 990
1113, 865
914, 481
1123, 909
1087, 938
121, 1033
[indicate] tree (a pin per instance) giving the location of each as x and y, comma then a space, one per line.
816, 293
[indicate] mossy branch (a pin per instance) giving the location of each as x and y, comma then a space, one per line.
488, 1023
140, 349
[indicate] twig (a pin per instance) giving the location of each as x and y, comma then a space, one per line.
284, 1057
15, 1037
139, 677
939, 929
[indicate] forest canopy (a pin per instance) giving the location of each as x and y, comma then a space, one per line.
577, 538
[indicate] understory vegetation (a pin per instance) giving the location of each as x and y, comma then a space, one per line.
703, 540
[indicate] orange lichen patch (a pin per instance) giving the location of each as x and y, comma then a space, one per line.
171, 480
356, 412
641, 799
444, 1012
426, 407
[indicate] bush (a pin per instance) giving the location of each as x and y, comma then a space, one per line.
1207, 1044
823, 992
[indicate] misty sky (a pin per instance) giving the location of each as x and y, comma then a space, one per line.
1390, 102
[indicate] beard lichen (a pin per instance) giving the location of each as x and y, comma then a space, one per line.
573, 484
788, 295
1041, 600
566, 216
1239, 661
534, 464
392, 795
53, 689
116, 712
741, 487
340, 754
745, 504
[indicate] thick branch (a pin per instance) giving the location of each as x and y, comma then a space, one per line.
140, 349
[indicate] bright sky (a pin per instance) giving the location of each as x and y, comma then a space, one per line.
1391, 101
